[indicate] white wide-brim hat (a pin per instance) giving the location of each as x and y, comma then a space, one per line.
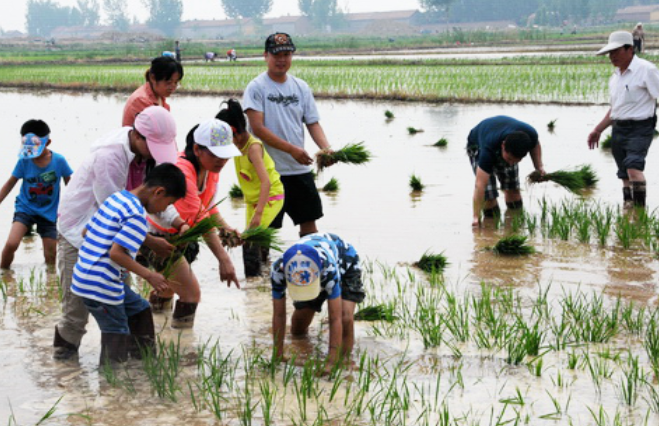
617, 39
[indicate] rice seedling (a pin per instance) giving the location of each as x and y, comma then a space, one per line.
551, 125
575, 181
389, 115
263, 237
332, 185
432, 262
235, 192
441, 143
413, 130
606, 143
630, 381
513, 245
354, 153
651, 344
416, 184
162, 368
376, 313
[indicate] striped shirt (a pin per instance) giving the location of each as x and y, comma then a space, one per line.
122, 220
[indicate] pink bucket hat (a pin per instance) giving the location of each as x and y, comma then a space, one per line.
157, 126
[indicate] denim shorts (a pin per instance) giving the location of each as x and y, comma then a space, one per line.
114, 318
302, 202
45, 228
630, 142
352, 290
508, 175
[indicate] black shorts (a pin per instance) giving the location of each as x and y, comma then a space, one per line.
45, 228
630, 143
302, 202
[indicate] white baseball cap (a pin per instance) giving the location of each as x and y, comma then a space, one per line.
217, 136
617, 39
302, 272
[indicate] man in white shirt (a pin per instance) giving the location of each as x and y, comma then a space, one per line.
633, 88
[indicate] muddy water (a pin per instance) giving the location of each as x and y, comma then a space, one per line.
374, 209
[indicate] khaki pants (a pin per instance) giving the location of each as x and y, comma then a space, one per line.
74, 313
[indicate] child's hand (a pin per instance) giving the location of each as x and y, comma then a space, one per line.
256, 221
184, 229
158, 282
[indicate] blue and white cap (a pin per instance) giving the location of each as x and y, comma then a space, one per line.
32, 145
302, 272
217, 136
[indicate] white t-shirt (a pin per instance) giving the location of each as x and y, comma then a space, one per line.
286, 108
634, 93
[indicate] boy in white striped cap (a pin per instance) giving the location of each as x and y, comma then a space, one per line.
112, 238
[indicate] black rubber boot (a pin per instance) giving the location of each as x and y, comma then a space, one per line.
515, 205
252, 260
626, 194
184, 314
63, 349
114, 348
159, 304
638, 193
493, 212
142, 334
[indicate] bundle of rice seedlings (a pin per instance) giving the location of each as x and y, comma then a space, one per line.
574, 181
331, 186
375, 313
431, 262
441, 143
513, 245
229, 239
263, 237
390, 115
354, 153
415, 183
551, 125
235, 191
606, 143
413, 131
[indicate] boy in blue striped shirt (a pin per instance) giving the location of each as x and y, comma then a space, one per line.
112, 238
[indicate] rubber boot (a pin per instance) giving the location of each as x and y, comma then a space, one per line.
142, 334
627, 197
252, 260
493, 212
184, 314
114, 348
159, 304
63, 349
638, 193
515, 205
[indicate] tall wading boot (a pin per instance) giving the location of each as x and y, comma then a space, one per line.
184, 314
638, 193
142, 334
63, 349
627, 197
159, 304
252, 260
114, 348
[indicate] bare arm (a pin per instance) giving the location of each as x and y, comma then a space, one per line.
335, 332
160, 246
279, 326
318, 135
227, 270
7, 187
258, 127
479, 195
255, 155
119, 255
536, 157
594, 136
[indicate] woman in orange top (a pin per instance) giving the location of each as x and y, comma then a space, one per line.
208, 148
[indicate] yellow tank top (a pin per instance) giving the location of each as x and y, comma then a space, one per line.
249, 180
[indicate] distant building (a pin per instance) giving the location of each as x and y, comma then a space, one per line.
215, 29
80, 32
648, 13
360, 21
288, 24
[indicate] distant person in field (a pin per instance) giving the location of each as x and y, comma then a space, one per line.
41, 171
209, 56
279, 106
495, 147
231, 55
639, 38
177, 51
319, 268
633, 89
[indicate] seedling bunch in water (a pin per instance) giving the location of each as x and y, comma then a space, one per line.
413, 130
575, 181
263, 237
355, 153
332, 185
606, 143
390, 115
441, 143
513, 245
416, 184
432, 262
235, 192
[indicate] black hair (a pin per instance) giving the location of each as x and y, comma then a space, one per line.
163, 68
518, 144
233, 115
189, 149
38, 127
169, 177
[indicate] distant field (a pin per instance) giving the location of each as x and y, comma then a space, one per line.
537, 80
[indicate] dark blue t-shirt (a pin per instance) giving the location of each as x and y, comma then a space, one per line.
489, 134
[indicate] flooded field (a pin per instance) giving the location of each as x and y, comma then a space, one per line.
453, 354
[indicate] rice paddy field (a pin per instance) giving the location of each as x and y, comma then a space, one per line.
565, 335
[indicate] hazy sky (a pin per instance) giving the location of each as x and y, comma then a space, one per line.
12, 15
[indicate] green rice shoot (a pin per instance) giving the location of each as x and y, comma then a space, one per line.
513, 245
235, 192
551, 125
355, 153
575, 181
443, 142
413, 131
416, 184
431, 262
263, 237
375, 313
332, 185
390, 115
606, 143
